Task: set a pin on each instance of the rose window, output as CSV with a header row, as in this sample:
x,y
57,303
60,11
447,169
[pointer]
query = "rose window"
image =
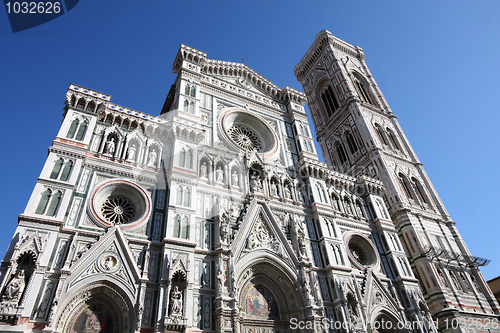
x,y
362,253
246,131
245,138
357,253
117,210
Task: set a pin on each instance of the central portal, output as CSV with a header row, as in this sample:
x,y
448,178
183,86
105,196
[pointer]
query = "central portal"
x,y
268,300
261,304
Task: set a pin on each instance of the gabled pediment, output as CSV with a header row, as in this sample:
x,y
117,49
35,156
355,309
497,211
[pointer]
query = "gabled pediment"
x,y
377,296
260,231
108,259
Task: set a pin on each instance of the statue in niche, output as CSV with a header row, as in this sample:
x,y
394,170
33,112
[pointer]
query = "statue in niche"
x,y
15,287
274,189
256,182
110,146
224,219
152,158
176,301
288,194
203,170
219,175
235,178
299,232
131,153
221,280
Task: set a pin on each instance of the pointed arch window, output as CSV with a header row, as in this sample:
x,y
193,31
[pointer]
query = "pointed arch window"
x,y
392,139
419,190
187,197
190,90
66,171
362,89
182,157
184,227
44,200
81,131
178,200
341,152
183,196
405,186
54,203
189,159
380,134
177,226
57,168
191,107
72,128
186,158
351,143
330,101
186,106
49,202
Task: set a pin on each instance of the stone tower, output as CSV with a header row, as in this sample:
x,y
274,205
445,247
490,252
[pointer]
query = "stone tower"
x,y
360,135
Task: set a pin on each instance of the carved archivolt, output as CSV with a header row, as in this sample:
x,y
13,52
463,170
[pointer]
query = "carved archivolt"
x,y
99,294
274,279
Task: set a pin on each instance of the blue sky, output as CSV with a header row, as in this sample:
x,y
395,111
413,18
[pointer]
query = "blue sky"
x,y
435,61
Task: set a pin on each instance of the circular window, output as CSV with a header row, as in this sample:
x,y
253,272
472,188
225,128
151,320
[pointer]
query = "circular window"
x,y
245,138
119,202
357,253
361,251
118,210
247,132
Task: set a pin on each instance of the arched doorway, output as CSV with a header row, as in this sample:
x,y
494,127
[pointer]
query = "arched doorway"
x,y
385,323
268,299
97,308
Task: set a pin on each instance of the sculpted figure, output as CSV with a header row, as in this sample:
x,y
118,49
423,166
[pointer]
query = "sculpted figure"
x,y
131,153
203,170
219,175
288,194
255,182
15,288
274,189
152,158
176,300
110,146
235,178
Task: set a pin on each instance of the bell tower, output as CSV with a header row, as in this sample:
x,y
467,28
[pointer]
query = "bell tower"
x,y
359,134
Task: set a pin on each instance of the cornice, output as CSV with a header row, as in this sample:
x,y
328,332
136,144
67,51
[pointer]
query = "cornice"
x,y
235,69
324,38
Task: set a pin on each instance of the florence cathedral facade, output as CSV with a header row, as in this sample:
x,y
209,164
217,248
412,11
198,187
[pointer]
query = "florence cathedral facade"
x,y
218,216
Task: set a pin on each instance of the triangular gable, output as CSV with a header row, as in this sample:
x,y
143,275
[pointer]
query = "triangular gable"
x,y
260,230
108,259
377,296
